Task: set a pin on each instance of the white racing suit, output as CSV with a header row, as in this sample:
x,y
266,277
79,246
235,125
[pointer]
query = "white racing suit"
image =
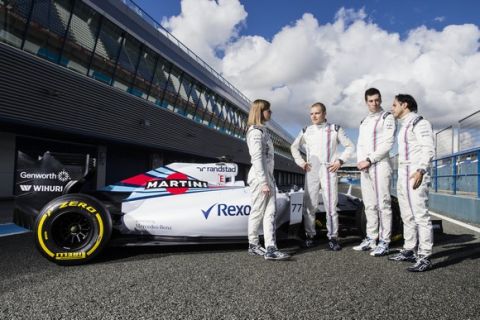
x,y
260,147
320,143
415,151
376,137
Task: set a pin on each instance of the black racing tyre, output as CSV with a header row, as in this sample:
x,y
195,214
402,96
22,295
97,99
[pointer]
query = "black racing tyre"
x,y
362,221
72,229
397,223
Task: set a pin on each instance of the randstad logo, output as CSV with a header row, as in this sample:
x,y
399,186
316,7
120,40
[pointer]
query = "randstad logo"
x,y
223,209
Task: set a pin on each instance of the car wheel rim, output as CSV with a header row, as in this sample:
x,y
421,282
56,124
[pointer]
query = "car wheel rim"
x,y
72,231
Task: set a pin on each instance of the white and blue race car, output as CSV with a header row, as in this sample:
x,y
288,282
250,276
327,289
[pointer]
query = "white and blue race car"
x,y
181,203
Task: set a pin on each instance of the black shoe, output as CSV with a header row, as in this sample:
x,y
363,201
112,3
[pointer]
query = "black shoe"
x,y
274,254
422,264
404,255
333,245
310,242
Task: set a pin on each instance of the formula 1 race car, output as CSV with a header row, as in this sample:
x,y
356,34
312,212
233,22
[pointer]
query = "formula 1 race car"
x,y
181,203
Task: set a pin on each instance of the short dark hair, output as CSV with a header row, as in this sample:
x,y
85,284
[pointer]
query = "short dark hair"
x,y
321,105
371,92
409,100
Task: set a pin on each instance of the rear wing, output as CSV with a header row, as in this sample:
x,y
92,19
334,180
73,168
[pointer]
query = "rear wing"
x,y
38,181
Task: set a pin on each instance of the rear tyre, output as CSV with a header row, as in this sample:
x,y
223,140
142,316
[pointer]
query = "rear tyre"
x,y
397,223
362,221
72,229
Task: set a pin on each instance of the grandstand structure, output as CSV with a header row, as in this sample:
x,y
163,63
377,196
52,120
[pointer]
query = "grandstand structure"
x,y
101,77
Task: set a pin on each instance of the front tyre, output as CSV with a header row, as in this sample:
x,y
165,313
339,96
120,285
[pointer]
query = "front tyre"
x,y
72,229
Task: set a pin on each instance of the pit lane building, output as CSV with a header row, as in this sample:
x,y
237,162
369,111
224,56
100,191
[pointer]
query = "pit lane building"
x,y
101,77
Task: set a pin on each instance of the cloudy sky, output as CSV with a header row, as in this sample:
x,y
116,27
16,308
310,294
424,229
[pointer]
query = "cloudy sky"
x,y
295,53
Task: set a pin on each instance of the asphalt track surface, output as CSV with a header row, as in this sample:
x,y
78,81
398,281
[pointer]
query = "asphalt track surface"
x,y
223,282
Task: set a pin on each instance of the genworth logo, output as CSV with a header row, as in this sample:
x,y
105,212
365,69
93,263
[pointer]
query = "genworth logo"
x,y
63,176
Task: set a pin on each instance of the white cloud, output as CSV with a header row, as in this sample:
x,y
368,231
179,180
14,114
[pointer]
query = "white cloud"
x,y
335,62
207,26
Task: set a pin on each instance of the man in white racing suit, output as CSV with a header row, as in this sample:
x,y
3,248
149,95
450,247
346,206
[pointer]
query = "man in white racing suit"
x,y
375,140
262,183
320,141
415,152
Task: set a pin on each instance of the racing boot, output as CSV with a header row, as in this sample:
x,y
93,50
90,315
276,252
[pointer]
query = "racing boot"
x,y
310,241
423,263
333,245
380,250
366,245
256,250
274,254
404,255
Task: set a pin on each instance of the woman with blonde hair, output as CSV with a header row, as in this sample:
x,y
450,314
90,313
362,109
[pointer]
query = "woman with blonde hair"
x,y
262,183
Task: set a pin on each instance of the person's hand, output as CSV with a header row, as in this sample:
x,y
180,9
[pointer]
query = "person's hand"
x,y
417,178
363,165
307,166
335,166
266,190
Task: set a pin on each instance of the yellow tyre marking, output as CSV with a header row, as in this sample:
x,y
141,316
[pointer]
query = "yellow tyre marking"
x,y
70,255
40,239
100,235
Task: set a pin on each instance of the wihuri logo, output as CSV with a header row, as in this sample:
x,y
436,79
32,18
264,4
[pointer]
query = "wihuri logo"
x,y
25,187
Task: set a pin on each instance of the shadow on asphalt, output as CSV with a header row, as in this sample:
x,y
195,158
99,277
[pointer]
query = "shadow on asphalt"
x,y
454,249
450,249
292,247
112,254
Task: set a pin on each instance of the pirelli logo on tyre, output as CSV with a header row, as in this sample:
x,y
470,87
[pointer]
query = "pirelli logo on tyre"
x,y
70,255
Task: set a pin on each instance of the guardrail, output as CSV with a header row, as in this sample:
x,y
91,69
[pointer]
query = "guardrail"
x,y
458,173
455,174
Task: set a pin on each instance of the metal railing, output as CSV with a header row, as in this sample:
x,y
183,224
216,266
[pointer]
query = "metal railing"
x,y
458,174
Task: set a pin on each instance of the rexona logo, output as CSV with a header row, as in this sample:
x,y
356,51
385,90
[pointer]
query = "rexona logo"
x,y
176,183
225,210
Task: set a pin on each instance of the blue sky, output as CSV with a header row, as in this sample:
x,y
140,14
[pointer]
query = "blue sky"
x,y
267,17
296,52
